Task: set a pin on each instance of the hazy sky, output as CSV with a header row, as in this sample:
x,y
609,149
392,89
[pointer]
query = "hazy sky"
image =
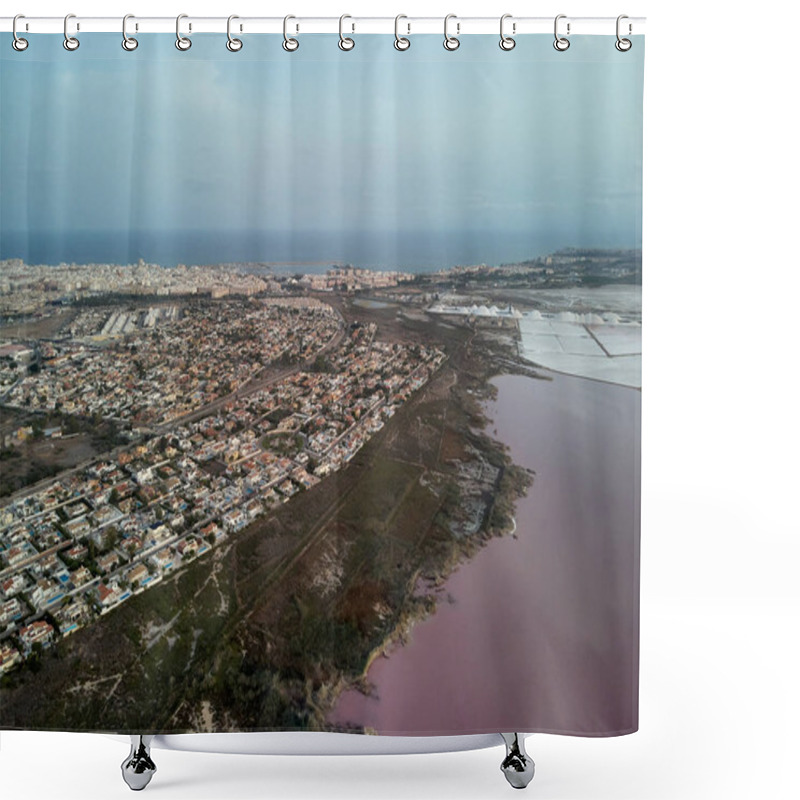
x,y
372,140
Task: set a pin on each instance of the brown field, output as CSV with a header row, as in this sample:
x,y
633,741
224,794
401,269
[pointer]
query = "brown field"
x,y
24,463
42,328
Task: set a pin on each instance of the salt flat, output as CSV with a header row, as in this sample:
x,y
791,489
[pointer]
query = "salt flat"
x,y
609,352
619,340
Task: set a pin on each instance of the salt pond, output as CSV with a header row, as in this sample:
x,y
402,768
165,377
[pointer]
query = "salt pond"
x,y
603,351
592,332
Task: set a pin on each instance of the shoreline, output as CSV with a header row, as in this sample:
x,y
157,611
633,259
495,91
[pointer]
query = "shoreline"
x,y
588,378
576,375
419,608
371,703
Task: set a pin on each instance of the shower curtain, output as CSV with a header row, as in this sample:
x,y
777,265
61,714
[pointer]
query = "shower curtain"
x,y
320,381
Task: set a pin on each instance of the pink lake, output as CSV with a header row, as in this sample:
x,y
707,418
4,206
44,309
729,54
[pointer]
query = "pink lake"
x,y
542,631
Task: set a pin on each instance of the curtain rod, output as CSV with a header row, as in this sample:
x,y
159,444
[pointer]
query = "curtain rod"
x,y
407,25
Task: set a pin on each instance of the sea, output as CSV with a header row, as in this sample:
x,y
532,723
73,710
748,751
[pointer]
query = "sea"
x,y
294,250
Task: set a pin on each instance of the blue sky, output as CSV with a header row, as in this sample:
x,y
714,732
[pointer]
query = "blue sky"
x,y
321,140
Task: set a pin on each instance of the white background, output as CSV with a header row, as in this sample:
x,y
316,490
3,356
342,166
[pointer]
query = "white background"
x,y
720,598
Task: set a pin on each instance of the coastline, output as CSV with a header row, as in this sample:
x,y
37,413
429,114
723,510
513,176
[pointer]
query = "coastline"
x,y
269,647
385,678
564,374
421,607
417,609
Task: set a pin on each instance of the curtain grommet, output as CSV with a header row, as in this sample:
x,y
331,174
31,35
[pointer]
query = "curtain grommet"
x,y
561,43
183,43
18,43
70,43
129,43
451,43
290,44
345,42
233,44
507,43
401,43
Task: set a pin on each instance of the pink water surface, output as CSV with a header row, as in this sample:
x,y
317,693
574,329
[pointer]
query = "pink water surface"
x,y
543,631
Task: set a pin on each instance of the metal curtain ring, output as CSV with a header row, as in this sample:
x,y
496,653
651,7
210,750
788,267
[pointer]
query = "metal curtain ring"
x,y
623,45
70,42
345,42
233,44
451,42
506,42
18,43
290,44
128,42
401,42
561,43
181,42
